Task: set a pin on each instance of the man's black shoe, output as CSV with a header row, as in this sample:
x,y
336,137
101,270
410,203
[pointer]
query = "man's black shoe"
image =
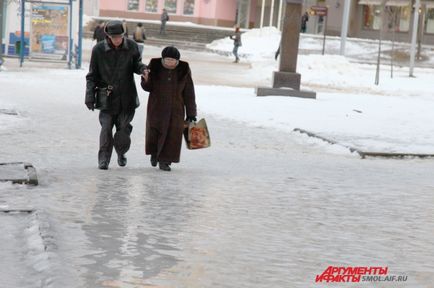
x,y
103,165
154,160
164,166
122,160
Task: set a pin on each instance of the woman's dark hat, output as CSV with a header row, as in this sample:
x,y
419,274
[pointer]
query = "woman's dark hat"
x,y
114,27
171,52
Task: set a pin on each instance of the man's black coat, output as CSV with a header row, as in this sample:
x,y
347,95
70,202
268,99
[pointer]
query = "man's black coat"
x,y
115,67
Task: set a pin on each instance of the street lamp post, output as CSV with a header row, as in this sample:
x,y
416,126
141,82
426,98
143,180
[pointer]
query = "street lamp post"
x,y
279,17
262,14
414,36
1,31
80,36
71,41
23,27
345,20
377,71
271,13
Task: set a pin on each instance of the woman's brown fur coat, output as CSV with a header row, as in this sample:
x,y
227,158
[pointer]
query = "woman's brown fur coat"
x,y
171,98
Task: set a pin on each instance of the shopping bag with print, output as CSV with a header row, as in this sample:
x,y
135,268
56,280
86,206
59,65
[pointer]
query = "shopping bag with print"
x,y
196,135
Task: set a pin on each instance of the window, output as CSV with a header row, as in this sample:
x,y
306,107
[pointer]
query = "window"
x,y
429,26
170,6
371,17
151,6
133,4
189,7
392,18
404,18
397,17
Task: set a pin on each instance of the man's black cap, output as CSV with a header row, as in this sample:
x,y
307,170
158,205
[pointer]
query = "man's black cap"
x,y
114,27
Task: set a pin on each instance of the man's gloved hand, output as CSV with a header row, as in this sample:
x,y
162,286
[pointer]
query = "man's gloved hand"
x,y
90,106
191,118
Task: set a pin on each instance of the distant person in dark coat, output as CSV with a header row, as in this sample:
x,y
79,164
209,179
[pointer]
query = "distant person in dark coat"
x,y
98,33
276,55
171,100
111,76
237,43
304,20
164,18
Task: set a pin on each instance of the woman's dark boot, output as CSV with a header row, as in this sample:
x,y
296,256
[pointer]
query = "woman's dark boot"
x,y
164,166
154,160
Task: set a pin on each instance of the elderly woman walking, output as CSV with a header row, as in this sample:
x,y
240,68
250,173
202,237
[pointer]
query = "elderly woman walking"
x,y
171,98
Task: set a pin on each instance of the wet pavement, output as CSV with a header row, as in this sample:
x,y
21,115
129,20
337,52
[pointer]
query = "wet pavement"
x,y
260,208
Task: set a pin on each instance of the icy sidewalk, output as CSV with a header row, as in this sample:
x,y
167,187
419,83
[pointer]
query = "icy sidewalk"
x,y
256,210
393,117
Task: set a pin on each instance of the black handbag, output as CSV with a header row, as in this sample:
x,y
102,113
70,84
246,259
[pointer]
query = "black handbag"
x,y
102,98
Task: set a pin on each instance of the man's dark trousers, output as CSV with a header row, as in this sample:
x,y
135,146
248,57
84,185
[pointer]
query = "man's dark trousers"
x,y
121,140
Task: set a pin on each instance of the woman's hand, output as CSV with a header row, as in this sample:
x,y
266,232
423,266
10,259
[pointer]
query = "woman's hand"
x,y
145,75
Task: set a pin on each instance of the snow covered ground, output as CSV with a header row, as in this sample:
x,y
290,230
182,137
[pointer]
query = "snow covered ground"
x,y
394,116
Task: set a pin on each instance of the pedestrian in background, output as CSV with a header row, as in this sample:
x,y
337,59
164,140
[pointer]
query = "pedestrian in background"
x,y
276,54
110,87
171,98
124,24
304,20
140,37
164,18
98,33
237,43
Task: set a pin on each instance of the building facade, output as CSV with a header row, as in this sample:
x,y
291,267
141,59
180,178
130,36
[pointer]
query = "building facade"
x,y
365,15
91,7
366,19
226,13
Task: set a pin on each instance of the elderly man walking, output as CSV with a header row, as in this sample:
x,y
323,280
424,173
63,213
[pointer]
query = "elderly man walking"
x,y
111,89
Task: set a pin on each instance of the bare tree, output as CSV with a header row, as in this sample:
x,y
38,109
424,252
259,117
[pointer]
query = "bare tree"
x,y
392,17
377,73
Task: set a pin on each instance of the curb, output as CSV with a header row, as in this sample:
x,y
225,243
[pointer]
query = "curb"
x,y
364,154
8,112
17,211
393,155
31,178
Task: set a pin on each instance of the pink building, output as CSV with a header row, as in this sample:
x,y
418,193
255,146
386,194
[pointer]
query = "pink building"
x,y
206,12
364,15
